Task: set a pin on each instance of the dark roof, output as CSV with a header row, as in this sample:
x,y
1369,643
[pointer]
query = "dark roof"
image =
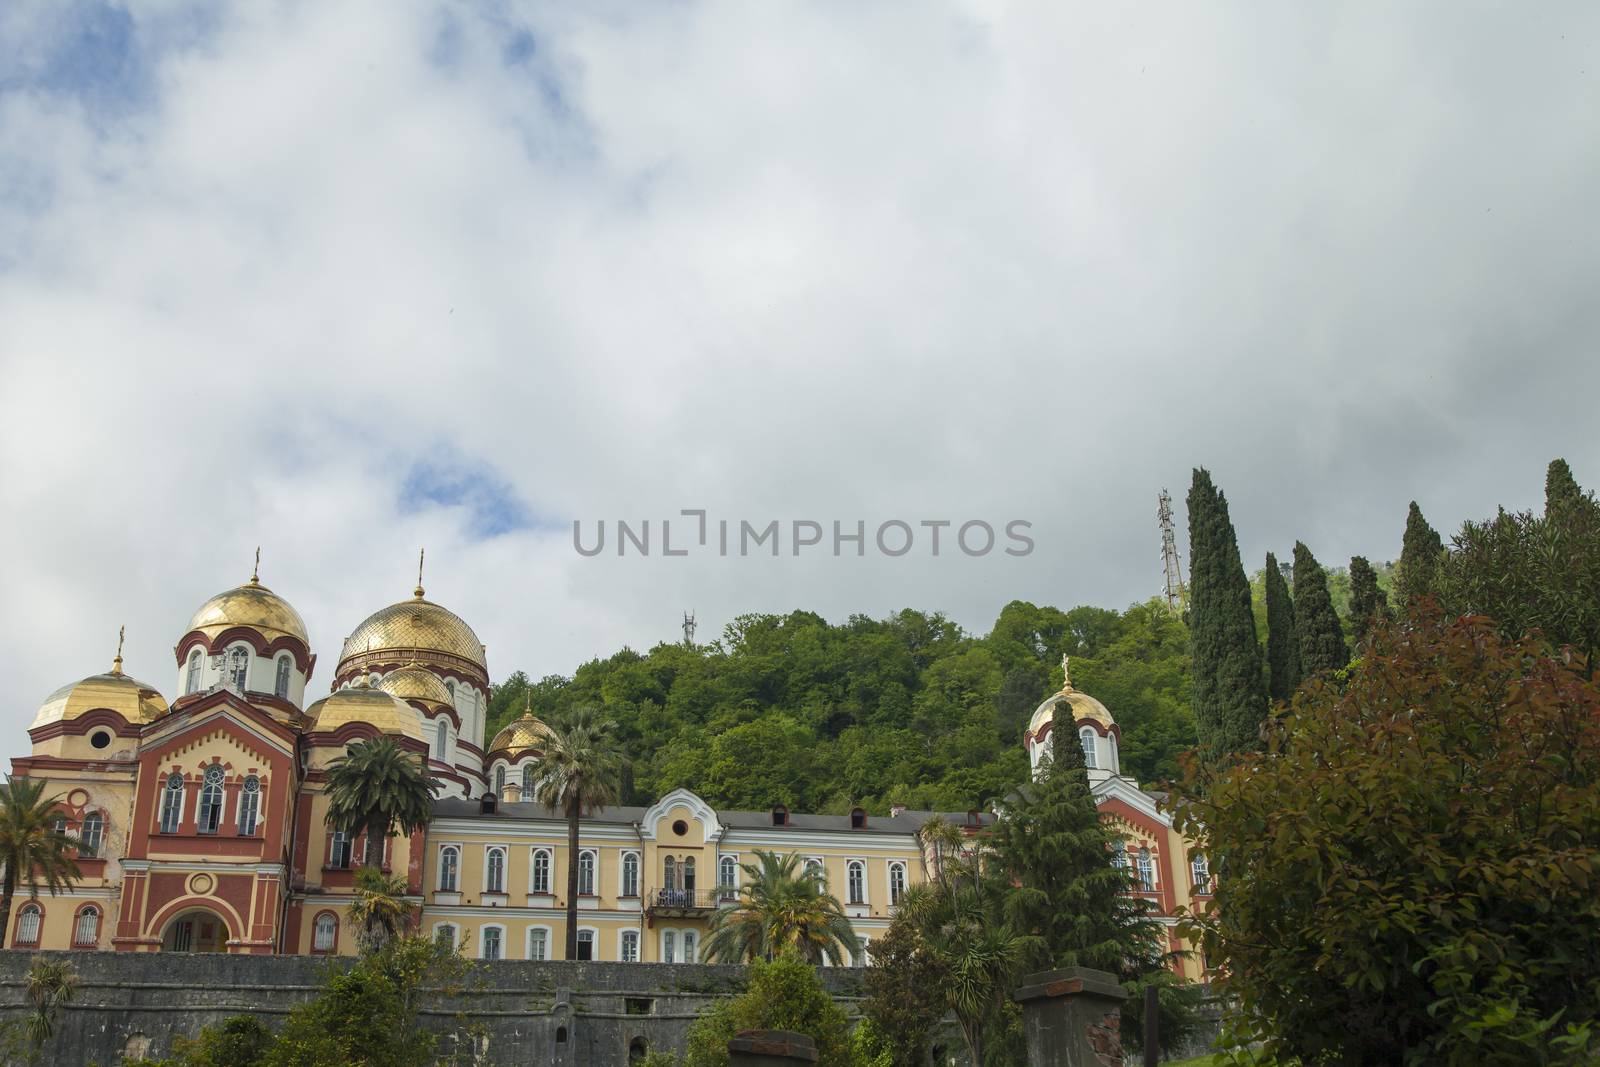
x,y
906,822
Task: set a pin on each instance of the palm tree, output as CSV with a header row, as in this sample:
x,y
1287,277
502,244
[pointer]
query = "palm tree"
x,y
378,786
50,984
782,905
380,911
579,771
32,850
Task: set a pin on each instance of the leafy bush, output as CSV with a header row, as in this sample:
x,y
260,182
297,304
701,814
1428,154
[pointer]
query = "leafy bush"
x,y
1407,872
783,995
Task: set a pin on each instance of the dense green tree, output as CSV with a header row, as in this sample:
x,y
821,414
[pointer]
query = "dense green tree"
x,y
903,1000
1283,641
579,771
378,787
1321,639
1465,938
1420,555
783,906
784,994
1230,697
1368,604
1560,487
32,851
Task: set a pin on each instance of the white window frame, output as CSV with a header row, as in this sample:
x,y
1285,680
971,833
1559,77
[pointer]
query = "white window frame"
x,y
191,682
594,943
176,808
623,937
335,840
1145,860
1091,757
623,889
238,659
488,855
499,779
89,845
821,865
544,950
896,897
1200,872
593,855
280,683
249,813
451,867
689,942
853,867
78,940
533,869
332,944
722,862
1116,760
441,739
213,790
483,941
455,933
528,782
23,936
669,945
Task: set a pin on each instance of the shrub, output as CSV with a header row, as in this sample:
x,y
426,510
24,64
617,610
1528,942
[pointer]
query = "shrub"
x,y
782,995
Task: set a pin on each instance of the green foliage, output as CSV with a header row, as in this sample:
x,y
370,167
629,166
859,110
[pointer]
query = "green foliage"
x,y
1322,647
1529,571
1407,874
32,850
1230,695
1283,642
1368,602
1177,1009
49,984
784,994
1560,487
380,912
905,710
236,1041
1420,556
783,906
904,1001
378,786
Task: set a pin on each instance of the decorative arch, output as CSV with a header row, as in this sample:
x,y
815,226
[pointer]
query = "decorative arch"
x,y
99,925
698,810
216,905
16,924
317,925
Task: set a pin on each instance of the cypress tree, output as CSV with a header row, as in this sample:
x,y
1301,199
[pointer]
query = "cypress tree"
x,y
1230,692
1322,646
1283,646
1368,605
1420,555
1560,487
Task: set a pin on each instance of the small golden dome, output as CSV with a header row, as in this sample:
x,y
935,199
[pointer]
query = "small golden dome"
x,y
1083,707
135,701
416,682
252,605
361,703
415,629
520,736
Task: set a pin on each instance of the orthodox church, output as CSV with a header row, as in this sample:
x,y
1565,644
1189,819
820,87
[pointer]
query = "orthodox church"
x,y
201,822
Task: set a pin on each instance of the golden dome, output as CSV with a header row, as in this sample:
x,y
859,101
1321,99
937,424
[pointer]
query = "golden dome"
x,y
415,629
252,605
416,682
520,736
361,703
1083,707
134,700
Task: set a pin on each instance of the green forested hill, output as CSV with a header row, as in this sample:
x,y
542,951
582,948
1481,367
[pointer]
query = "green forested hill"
x,y
905,710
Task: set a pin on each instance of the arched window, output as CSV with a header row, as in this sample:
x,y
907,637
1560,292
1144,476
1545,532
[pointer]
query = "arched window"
x,y
172,804
1119,857
688,874
280,685
325,934
94,828
449,866
1086,735
249,805
728,873
440,738
670,867
445,934
815,869
1200,872
339,850
1116,762
527,782
630,946
211,800
494,879
897,882
669,946
1147,871
238,668
630,874
586,944
538,943
688,946
29,920
541,871
491,942
86,931
499,779
855,877
192,682
450,687
586,874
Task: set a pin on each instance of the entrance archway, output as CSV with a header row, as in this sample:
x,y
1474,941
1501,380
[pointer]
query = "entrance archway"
x,y
196,930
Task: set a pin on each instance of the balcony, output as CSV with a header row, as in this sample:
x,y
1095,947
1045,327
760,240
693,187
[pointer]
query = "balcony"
x,y
681,903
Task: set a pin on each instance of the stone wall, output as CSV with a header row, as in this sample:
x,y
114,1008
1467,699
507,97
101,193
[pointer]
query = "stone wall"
x,y
513,1012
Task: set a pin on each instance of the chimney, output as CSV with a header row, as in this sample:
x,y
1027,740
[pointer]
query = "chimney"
x,y
896,811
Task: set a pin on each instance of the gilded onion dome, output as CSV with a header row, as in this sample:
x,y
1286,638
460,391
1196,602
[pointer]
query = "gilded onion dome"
x,y
252,605
416,682
520,736
1082,706
136,701
415,630
361,703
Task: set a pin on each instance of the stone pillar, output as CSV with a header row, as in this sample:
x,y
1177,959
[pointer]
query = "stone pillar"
x,y
771,1048
1071,1018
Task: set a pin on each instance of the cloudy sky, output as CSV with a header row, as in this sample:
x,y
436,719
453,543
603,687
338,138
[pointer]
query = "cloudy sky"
x,y
343,280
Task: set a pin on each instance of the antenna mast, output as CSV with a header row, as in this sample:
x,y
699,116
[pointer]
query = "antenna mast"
x,y
688,629
1175,592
